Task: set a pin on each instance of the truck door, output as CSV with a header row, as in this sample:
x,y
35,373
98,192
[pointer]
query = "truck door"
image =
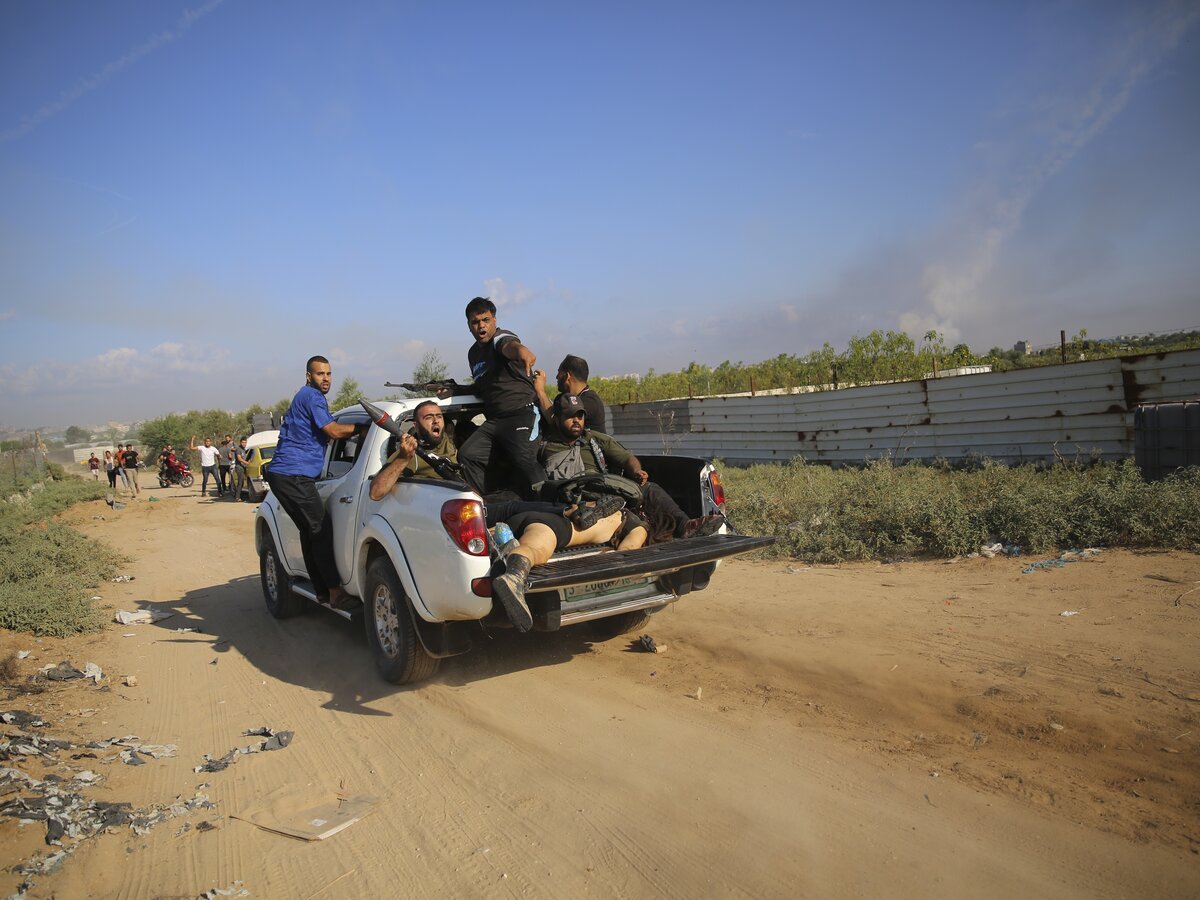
x,y
339,489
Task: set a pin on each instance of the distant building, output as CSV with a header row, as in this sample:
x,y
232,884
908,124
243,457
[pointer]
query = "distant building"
x,y
1025,348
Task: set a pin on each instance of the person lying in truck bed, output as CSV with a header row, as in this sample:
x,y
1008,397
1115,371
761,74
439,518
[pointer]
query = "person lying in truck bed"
x,y
539,535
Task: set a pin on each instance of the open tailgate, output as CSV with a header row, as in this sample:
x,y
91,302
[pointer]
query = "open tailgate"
x,y
658,559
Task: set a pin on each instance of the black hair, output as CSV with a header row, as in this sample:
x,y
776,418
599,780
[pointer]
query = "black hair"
x,y
575,366
480,305
422,405
314,359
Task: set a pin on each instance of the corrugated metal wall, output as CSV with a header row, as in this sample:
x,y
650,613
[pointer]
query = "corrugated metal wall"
x,y
1017,416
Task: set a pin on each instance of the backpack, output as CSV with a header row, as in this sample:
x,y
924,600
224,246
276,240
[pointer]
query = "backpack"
x,y
592,487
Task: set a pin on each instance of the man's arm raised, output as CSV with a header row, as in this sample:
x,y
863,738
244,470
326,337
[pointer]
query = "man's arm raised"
x,y
382,483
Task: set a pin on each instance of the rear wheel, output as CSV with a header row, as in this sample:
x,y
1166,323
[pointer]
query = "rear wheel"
x,y
622,623
398,653
276,585
187,480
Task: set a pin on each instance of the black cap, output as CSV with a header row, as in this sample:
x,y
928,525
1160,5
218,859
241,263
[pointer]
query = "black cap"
x,y
569,406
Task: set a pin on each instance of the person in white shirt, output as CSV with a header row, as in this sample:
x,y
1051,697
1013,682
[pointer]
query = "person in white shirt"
x,y
208,464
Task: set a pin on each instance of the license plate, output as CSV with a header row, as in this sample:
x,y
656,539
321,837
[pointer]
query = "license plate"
x,y
602,588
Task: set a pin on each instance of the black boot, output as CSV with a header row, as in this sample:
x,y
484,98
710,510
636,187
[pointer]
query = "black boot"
x,y
510,590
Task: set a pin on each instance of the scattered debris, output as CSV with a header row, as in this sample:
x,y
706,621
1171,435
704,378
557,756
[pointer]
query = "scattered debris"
x,y
1056,726
64,671
698,694
1069,557
275,740
129,681
70,817
317,823
141,616
648,644
120,578
236,890
23,654
185,630
1069,612
22,719
93,672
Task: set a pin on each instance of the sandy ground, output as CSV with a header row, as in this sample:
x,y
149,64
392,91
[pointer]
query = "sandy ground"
x,y
906,730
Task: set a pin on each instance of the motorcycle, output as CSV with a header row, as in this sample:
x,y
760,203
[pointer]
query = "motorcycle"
x,y
181,475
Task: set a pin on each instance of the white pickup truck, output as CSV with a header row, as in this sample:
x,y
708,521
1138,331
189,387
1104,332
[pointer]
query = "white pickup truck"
x,y
420,558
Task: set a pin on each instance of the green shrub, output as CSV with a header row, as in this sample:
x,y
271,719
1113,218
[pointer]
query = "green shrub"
x,y
881,510
47,572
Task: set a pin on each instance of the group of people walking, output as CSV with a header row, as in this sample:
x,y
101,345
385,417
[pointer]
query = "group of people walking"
x,y
120,463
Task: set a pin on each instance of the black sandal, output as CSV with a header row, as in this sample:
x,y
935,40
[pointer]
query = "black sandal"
x,y
584,517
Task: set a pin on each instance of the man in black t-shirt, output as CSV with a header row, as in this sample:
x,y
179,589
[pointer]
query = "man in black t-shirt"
x,y
502,368
130,461
572,379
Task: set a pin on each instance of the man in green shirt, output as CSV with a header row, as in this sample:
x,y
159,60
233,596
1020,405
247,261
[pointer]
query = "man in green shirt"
x,y
577,450
431,434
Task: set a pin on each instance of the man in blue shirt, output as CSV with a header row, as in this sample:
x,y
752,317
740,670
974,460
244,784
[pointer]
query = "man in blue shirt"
x,y
295,468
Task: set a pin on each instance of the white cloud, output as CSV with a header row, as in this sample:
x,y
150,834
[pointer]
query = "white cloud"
x,y
506,297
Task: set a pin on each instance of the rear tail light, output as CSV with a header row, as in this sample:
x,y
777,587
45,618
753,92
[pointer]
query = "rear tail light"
x,y
463,521
718,489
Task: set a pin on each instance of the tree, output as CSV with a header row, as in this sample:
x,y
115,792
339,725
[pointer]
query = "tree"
x,y
77,434
348,394
430,368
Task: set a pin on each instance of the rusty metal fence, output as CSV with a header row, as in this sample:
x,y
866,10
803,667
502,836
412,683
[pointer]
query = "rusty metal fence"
x,y
1024,415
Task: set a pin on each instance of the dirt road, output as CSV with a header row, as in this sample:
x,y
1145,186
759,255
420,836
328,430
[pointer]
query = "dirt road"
x,y
910,730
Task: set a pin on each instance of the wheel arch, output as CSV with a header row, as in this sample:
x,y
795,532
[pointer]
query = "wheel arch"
x,y
265,524
439,639
378,538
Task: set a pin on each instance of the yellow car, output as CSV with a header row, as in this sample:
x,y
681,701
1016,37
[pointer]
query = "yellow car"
x,y
259,450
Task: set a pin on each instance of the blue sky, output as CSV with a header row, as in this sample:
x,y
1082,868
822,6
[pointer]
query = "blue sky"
x,y
195,199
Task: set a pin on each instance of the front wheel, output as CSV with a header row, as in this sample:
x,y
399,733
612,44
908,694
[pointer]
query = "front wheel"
x,y
276,585
162,482
398,653
187,480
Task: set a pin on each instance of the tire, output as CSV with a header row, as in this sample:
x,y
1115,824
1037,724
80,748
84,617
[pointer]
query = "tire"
x,y
276,583
162,482
622,623
398,653
187,480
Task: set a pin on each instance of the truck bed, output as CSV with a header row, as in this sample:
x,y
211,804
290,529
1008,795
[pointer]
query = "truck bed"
x,y
658,559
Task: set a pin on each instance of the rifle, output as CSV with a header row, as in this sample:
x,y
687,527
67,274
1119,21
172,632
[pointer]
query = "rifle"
x,y
451,387
451,471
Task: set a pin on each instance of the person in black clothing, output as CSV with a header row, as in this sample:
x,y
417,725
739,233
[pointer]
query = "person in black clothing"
x,y
572,380
502,368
